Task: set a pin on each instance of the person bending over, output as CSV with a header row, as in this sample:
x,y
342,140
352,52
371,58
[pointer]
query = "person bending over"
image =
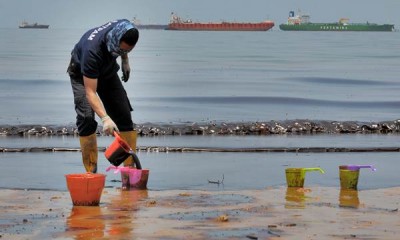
x,y
97,88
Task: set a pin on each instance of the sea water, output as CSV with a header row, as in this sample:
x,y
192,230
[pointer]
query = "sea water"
x,y
180,76
186,77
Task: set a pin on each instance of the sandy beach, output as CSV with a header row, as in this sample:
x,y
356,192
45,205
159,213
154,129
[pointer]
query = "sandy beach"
x,y
252,203
271,213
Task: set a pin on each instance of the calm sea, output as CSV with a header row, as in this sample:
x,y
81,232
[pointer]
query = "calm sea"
x,y
184,77
214,76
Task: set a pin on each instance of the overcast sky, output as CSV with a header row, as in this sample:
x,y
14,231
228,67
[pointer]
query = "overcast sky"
x,y
90,13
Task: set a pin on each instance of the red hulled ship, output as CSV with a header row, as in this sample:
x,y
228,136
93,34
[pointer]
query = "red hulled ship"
x,y
176,23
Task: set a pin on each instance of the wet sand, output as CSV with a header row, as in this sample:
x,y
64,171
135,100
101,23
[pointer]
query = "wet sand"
x,y
271,213
181,204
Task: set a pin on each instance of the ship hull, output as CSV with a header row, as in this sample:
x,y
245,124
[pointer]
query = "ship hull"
x,y
262,26
337,27
152,26
35,26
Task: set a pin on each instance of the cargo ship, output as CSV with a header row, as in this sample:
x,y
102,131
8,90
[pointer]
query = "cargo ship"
x,y
25,24
302,23
139,25
176,23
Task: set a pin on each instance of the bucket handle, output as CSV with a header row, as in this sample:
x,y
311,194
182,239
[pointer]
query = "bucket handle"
x,y
116,134
117,169
313,169
357,167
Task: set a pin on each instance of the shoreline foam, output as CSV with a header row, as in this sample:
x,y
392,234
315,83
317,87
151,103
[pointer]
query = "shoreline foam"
x,y
299,126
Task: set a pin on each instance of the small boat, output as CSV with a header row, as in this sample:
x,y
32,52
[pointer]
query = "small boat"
x,y
25,24
301,22
176,23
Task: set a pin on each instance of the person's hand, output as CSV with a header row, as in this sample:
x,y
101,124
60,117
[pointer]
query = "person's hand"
x,y
126,70
109,126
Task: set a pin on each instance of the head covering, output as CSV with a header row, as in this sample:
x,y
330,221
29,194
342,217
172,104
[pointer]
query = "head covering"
x,y
115,34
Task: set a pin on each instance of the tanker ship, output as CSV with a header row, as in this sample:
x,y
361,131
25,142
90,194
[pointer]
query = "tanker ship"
x,y
139,25
25,24
176,23
302,23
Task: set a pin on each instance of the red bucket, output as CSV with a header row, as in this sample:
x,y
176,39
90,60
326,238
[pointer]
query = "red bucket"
x,y
86,188
118,151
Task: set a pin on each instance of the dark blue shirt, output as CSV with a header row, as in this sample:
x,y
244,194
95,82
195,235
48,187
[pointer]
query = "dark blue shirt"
x,y
92,55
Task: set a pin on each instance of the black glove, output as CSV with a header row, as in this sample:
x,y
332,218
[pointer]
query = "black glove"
x,y
126,70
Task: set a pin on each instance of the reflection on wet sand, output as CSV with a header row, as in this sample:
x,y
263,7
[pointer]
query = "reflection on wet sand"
x,y
115,219
86,222
295,197
349,198
123,208
192,214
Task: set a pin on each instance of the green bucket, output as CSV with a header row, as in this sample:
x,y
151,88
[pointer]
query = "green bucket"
x,y
349,175
295,176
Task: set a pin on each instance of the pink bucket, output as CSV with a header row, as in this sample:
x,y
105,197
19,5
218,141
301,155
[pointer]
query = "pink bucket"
x,y
137,177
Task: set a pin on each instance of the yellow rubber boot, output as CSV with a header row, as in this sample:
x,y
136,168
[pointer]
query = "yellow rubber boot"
x,y
89,152
130,137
